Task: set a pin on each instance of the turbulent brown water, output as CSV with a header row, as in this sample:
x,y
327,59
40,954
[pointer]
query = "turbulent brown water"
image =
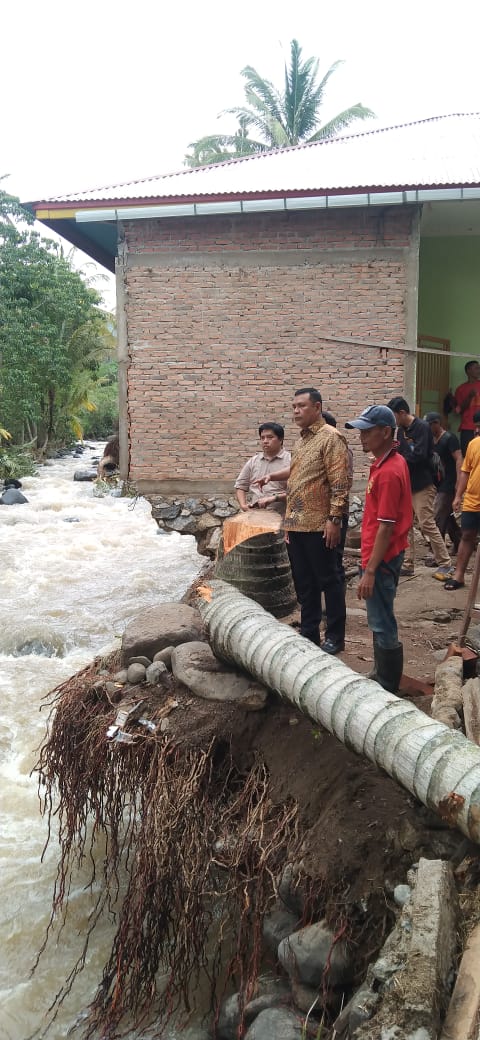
x,y
74,570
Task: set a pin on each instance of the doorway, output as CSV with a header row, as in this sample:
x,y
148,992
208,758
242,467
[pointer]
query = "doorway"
x,y
433,374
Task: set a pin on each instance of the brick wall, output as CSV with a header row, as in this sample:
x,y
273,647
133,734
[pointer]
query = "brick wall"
x,y
225,319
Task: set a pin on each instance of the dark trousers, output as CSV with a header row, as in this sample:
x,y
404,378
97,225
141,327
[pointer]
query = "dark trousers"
x,y
315,570
465,437
341,547
444,517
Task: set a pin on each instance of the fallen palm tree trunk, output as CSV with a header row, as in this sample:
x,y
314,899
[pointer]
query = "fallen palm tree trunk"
x,y
439,766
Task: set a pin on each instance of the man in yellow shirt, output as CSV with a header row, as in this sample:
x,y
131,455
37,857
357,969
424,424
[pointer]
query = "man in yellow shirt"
x,y
468,485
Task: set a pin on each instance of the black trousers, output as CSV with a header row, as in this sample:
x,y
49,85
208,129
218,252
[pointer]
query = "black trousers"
x,y
315,570
445,519
465,437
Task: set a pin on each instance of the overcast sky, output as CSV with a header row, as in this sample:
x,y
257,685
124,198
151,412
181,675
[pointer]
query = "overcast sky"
x,y
102,92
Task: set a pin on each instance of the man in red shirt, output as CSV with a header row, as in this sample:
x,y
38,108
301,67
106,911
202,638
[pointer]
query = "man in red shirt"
x,y
387,519
467,402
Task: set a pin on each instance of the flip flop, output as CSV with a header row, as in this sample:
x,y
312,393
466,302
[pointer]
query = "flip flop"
x,y
451,585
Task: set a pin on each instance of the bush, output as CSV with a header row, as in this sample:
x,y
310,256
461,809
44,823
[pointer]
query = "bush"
x,y
98,425
17,463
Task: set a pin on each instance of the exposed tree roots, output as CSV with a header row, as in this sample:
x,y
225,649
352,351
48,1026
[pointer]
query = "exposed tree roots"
x,y
200,843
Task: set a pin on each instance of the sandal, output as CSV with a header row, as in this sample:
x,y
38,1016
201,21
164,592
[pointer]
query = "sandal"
x,y
451,585
407,572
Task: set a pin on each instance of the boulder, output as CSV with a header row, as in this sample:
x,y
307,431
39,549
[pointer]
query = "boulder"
x,y
254,699
168,624
167,511
85,474
275,1024
402,894
195,665
276,926
136,674
229,1018
271,995
11,497
157,673
207,521
183,524
358,1010
307,999
165,656
305,955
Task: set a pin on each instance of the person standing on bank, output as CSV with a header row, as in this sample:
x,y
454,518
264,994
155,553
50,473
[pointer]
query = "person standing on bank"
x,y
317,495
258,483
448,448
468,487
387,519
467,401
331,421
415,442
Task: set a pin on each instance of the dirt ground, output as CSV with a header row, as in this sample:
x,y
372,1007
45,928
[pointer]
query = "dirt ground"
x,y
360,830
418,603
356,832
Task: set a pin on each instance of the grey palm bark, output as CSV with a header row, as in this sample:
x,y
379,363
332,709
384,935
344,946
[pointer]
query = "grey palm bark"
x,y
439,766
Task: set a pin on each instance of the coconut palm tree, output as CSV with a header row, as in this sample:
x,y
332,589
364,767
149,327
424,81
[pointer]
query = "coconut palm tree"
x,y
280,117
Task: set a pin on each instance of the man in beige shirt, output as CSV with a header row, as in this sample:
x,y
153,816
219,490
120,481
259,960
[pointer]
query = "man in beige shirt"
x,y
262,467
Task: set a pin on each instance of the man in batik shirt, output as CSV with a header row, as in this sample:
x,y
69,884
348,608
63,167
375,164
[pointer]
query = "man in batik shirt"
x,y
317,497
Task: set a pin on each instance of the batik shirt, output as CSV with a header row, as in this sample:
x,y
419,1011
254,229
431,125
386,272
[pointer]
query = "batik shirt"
x,y
318,485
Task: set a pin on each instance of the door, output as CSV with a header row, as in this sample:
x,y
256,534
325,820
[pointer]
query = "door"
x,y
433,375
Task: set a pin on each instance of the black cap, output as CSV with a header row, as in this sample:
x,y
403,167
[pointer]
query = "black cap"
x,y
432,417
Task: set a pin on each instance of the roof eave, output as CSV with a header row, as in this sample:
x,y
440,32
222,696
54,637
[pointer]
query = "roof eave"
x,y
70,206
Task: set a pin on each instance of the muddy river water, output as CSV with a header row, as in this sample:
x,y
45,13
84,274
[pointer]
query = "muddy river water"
x,y
74,569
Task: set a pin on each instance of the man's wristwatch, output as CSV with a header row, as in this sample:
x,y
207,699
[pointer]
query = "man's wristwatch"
x,y
335,519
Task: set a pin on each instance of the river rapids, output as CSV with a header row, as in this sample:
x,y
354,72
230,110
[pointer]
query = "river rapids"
x,y
75,568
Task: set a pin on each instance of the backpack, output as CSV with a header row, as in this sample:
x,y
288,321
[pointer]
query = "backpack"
x,y
437,467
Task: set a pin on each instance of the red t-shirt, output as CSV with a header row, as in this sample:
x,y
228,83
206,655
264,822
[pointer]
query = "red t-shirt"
x,y
388,497
461,394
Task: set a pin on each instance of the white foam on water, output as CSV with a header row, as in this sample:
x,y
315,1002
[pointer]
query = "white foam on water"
x,y
67,589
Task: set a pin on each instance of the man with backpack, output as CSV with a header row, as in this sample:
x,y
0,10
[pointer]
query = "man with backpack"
x,y
447,446
415,442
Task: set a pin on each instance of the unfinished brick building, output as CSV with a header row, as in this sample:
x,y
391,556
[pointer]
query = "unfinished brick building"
x,y
240,282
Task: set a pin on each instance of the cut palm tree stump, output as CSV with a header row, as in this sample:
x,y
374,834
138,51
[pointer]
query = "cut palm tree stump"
x,y
253,557
437,765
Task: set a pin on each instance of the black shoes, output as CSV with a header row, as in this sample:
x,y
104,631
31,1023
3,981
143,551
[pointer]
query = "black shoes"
x,y
329,647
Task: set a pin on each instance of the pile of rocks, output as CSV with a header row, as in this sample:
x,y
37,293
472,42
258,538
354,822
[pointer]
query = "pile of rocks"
x,y
168,642
356,512
407,988
201,517
308,957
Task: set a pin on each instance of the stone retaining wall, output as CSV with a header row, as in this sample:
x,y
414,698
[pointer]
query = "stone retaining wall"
x,y
203,518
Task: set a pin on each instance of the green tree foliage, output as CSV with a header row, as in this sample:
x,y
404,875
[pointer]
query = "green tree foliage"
x,y
280,117
101,423
53,333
